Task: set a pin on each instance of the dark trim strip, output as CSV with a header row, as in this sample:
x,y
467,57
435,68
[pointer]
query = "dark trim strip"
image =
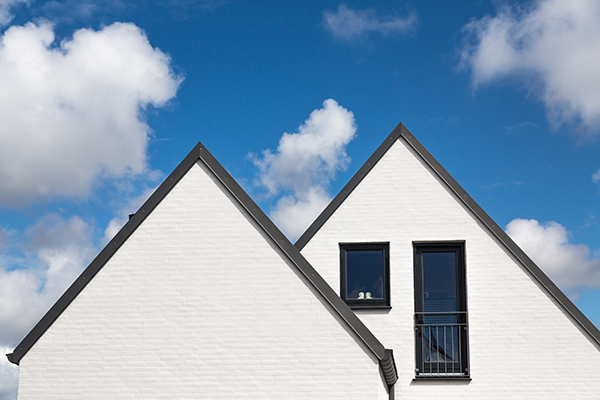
x,y
202,154
486,220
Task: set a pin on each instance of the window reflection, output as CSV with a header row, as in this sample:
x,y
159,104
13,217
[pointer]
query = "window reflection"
x,y
364,271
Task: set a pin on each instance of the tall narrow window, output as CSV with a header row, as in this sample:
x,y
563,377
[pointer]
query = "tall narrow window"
x,y
440,310
364,274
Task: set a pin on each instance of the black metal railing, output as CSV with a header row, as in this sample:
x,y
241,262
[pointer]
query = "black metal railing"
x,y
441,343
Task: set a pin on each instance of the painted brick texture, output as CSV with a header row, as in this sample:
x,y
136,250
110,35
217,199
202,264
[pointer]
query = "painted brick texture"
x,y
199,303
522,345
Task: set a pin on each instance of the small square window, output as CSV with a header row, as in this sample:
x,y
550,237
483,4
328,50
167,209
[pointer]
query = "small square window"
x,y
365,274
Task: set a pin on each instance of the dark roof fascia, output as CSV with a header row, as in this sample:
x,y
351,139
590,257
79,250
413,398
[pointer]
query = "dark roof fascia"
x,y
201,153
484,218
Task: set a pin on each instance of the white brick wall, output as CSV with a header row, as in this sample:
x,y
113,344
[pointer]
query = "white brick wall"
x,y
198,303
521,344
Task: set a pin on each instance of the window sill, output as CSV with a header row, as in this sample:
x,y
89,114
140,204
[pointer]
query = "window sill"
x,y
462,378
368,307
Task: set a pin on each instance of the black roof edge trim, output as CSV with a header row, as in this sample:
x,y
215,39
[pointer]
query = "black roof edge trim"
x,y
388,367
294,255
486,220
350,186
105,255
201,153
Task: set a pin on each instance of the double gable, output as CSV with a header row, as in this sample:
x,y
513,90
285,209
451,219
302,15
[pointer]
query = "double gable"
x,y
201,296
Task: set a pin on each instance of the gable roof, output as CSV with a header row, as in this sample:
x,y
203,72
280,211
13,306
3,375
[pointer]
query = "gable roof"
x,y
402,132
201,154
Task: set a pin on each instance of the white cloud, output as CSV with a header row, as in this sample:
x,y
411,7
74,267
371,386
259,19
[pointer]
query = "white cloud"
x,y
304,164
556,42
349,24
6,7
570,266
73,112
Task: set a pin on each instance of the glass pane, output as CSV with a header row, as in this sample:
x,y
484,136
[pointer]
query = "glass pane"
x,y
364,274
439,286
440,345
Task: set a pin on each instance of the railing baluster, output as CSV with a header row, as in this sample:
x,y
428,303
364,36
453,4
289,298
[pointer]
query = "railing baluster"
x,y
452,338
429,341
423,354
445,352
437,348
460,332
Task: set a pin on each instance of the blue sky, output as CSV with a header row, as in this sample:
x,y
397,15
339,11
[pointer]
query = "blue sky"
x,y
100,100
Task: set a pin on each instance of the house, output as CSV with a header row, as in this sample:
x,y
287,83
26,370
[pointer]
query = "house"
x,y
402,288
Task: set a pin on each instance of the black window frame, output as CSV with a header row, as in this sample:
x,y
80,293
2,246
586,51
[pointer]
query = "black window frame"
x,y
456,369
366,303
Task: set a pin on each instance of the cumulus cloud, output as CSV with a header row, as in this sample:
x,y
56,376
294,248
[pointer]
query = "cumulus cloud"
x,y
555,43
349,24
570,266
304,164
73,112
